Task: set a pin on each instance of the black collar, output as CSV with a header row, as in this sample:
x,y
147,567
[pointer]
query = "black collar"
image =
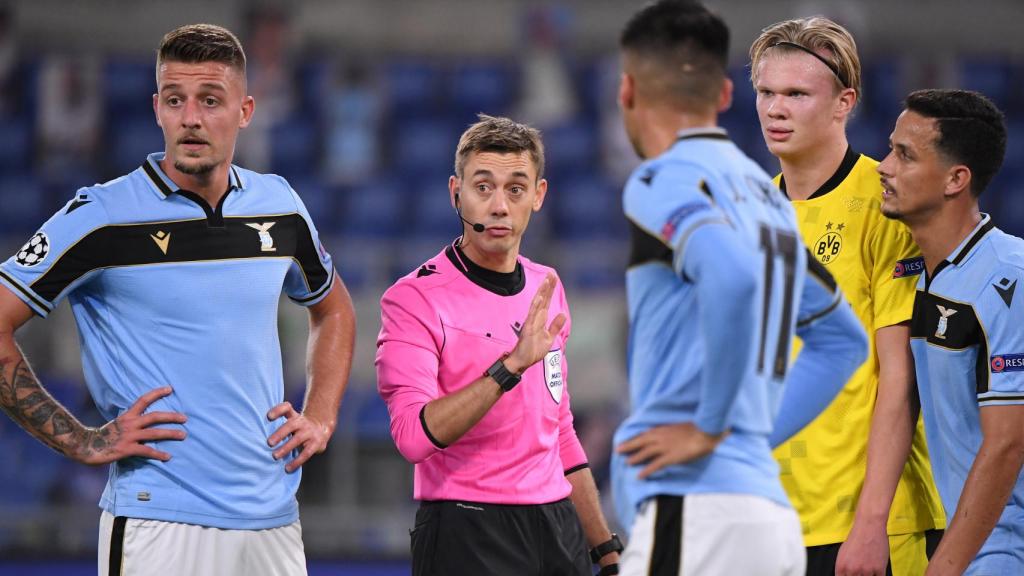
x,y
845,167
963,250
500,283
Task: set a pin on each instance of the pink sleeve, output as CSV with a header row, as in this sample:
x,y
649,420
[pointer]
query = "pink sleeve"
x,y
408,350
569,448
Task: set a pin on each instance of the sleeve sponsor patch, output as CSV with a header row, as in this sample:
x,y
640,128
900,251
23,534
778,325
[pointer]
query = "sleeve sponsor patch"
x,y
909,267
1007,363
34,251
680,214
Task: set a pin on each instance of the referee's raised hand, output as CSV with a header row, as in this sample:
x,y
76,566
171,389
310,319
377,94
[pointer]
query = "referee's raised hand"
x,y
126,435
536,336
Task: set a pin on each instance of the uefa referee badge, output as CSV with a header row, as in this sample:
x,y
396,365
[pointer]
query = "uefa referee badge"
x,y
553,374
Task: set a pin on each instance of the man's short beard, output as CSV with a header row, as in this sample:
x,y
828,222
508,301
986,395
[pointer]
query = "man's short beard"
x,y
194,169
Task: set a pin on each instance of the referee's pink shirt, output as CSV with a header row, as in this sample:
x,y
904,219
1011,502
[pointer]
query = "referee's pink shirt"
x,y
440,331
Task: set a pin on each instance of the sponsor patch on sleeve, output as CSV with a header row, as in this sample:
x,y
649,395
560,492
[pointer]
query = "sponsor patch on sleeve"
x,y
909,267
1007,363
680,214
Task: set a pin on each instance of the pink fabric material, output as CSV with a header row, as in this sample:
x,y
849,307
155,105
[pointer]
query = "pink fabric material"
x,y
439,333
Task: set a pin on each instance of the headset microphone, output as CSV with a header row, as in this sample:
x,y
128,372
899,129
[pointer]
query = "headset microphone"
x,y
477,227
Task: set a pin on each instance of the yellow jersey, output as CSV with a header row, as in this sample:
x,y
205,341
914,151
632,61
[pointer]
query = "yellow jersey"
x,y
876,264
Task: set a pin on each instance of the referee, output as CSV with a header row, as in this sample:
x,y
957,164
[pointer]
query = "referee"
x,y
471,363
174,273
966,329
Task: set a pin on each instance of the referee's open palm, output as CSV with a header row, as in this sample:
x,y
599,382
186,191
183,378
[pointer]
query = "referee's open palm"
x,y
536,336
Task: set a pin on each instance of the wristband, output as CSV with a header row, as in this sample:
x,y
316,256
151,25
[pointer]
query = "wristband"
x,y
501,374
603,549
609,570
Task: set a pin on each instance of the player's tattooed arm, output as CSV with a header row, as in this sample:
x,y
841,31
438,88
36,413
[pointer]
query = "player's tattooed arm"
x,y
26,402
35,410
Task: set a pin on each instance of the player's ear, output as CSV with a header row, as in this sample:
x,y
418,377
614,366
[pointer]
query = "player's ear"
x,y
248,108
725,95
627,91
847,101
958,180
156,109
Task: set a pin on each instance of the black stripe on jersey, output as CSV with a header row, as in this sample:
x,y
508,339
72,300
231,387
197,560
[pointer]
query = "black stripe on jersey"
x,y
646,247
960,331
185,241
667,551
44,305
800,323
818,270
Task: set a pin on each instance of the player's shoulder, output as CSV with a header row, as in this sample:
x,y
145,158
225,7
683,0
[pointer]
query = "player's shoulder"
x,y
664,183
999,262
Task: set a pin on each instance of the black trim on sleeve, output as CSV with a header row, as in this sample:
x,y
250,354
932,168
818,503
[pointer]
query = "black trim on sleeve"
x,y
423,422
983,401
17,286
813,317
117,546
577,468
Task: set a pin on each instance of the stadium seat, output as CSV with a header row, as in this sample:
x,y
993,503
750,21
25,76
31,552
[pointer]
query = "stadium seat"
x,y
23,204
483,86
133,138
128,87
373,210
414,87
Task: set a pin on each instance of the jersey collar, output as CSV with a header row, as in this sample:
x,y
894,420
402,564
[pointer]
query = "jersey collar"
x,y
713,132
163,186
967,246
845,167
502,284
963,250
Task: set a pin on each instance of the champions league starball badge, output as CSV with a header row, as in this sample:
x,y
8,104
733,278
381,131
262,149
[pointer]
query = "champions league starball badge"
x,y
34,251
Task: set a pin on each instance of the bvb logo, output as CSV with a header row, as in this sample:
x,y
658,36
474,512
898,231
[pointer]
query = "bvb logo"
x,y
828,247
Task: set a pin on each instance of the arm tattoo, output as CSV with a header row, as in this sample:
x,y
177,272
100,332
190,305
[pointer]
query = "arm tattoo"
x,y
35,410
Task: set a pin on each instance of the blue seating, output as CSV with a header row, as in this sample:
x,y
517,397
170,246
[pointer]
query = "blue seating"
x,y
133,138
128,87
23,204
294,147
483,87
15,144
414,87
373,210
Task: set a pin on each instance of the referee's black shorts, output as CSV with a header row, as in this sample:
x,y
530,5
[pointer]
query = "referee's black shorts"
x,y
454,538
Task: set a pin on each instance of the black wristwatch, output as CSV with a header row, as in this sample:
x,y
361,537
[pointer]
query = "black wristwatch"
x,y
501,374
603,549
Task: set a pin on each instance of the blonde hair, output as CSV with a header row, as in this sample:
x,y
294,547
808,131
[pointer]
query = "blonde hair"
x,y
829,41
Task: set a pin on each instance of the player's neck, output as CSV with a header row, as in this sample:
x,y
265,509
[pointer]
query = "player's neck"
x,y
210,186
664,125
503,262
940,235
806,172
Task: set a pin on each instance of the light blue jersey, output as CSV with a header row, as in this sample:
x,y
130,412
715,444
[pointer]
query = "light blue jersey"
x,y
968,342
169,291
718,282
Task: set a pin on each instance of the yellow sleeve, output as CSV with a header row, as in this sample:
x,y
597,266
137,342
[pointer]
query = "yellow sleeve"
x,y
892,298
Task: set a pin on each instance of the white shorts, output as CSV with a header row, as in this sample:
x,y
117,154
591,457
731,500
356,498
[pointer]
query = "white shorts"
x,y
134,547
714,535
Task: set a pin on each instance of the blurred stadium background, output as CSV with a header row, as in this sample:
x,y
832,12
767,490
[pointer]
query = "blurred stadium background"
x,y
359,105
